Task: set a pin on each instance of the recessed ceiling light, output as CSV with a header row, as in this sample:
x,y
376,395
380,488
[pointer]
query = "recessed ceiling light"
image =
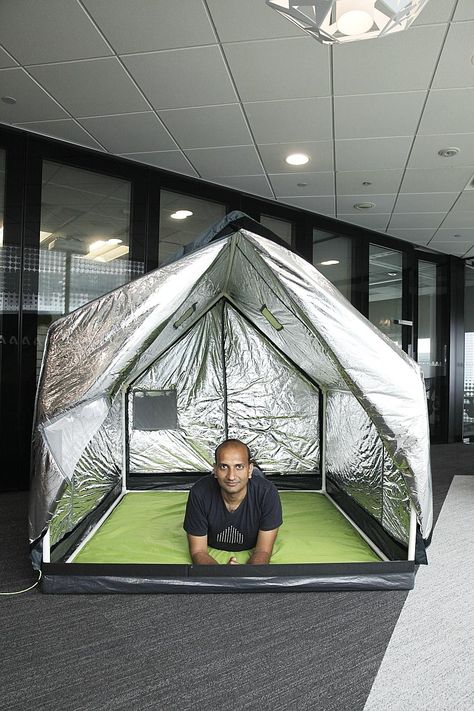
x,y
301,185
392,273
448,152
329,262
181,214
8,99
366,182
297,159
364,205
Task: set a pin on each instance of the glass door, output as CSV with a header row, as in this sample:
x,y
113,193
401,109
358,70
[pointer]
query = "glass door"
x,y
432,347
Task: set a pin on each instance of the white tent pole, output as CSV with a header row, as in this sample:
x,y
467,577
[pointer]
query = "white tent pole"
x,y
47,547
322,444
124,439
412,537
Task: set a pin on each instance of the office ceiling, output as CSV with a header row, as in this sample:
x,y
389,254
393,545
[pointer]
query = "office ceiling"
x,y
224,89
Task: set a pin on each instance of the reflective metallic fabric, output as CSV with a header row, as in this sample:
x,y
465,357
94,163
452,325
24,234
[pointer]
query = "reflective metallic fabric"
x,y
168,329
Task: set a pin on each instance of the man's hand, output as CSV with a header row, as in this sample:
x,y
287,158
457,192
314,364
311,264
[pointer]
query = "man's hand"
x,y
233,560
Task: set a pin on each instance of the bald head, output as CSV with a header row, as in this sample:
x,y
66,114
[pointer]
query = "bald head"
x,y
232,443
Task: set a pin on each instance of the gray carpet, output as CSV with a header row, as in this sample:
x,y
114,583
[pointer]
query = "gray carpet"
x,y
318,651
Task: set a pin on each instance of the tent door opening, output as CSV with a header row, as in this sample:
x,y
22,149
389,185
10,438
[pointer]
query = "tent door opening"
x,y
222,379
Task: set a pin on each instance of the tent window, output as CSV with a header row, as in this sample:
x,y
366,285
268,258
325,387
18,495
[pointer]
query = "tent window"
x,y
155,410
272,320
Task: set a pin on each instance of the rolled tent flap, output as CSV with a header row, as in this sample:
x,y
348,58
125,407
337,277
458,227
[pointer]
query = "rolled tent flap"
x,y
68,435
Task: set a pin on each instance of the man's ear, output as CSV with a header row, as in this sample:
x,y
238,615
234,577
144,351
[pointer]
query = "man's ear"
x,y
251,470
214,471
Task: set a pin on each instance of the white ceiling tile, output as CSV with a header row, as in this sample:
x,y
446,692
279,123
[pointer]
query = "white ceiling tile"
x,y
466,201
65,130
254,184
417,236
322,205
469,253
382,203
380,181
455,66
208,126
372,153
292,68
302,184
436,11
448,111
403,61
451,234
36,32
130,133
214,162
459,219
459,249
413,219
6,60
320,153
464,10
167,160
373,221
144,26
370,115
436,179
91,87
425,151
182,78
32,103
296,120
249,20
425,202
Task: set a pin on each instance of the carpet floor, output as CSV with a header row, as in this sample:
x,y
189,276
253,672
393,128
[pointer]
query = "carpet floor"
x,y
272,651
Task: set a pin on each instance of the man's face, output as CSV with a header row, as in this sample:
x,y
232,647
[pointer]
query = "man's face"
x,y
233,469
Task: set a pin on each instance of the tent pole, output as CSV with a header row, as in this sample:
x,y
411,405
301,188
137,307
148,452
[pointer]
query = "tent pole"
x,y
412,536
47,547
322,444
125,439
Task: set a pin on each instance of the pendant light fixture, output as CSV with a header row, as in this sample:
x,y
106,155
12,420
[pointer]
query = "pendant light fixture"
x,y
338,21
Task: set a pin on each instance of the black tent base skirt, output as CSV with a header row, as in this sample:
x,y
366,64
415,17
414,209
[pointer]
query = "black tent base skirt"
x,y
99,578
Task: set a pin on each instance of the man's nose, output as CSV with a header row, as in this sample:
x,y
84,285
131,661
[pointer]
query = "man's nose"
x,y
231,474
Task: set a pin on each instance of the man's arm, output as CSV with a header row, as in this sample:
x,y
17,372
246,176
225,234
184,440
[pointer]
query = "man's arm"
x,y
263,548
198,550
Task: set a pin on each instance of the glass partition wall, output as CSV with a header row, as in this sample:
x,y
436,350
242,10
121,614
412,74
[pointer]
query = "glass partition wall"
x,y
84,243
431,342
184,218
386,291
468,408
332,256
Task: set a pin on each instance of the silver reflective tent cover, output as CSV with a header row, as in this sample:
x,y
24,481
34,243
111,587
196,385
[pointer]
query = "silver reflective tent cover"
x,y
239,338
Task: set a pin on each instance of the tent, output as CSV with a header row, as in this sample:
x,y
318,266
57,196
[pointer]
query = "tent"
x,y
238,337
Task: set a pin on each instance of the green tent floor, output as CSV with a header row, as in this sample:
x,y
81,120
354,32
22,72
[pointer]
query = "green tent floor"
x,y
146,527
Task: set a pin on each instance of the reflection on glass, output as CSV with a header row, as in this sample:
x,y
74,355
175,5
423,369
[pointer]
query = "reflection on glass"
x,y
6,263
84,243
385,291
183,219
430,347
332,257
282,228
468,413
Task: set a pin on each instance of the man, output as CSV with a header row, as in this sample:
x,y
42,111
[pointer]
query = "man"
x,y
232,510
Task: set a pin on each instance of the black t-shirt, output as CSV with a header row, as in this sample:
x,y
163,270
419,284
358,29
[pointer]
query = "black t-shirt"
x,y
206,513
